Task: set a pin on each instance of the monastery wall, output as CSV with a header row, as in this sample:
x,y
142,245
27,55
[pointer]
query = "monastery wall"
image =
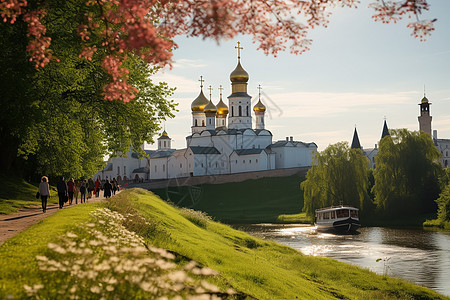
x,y
218,179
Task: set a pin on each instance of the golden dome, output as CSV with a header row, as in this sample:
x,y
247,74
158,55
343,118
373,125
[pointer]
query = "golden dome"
x,y
164,133
239,74
199,103
259,107
222,108
210,108
424,100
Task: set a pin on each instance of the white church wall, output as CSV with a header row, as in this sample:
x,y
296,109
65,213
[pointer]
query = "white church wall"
x,y
245,163
159,168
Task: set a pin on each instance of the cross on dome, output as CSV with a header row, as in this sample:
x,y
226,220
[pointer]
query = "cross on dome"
x,y
210,90
220,89
259,88
201,82
239,48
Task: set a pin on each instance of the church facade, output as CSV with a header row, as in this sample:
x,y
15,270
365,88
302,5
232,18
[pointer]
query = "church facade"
x,y
223,140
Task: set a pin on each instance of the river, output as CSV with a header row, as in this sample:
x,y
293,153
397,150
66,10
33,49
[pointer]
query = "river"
x,y
419,256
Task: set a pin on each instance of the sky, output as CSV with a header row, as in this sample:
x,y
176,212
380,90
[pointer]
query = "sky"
x,y
357,73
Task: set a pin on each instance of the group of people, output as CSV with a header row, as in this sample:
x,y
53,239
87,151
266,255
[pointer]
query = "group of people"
x,y
74,188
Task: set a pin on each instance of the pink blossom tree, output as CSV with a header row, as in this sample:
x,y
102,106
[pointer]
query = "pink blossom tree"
x,y
116,29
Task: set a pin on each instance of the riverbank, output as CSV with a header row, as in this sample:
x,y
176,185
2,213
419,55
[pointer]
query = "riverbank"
x,y
250,201
250,267
436,224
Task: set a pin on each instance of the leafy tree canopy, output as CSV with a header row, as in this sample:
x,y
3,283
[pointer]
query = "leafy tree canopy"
x,y
407,173
339,175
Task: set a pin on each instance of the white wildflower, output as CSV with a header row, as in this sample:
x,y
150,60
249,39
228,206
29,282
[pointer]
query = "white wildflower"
x,y
71,235
95,289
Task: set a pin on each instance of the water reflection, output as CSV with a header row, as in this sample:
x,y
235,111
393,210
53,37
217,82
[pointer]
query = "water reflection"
x,y
419,256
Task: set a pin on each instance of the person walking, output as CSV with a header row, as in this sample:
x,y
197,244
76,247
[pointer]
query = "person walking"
x,y
107,188
97,188
114,185
70,189
83,189
44,192
77,189
91,187
61,186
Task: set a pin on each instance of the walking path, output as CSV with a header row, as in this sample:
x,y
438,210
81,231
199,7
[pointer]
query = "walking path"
x,y
12,224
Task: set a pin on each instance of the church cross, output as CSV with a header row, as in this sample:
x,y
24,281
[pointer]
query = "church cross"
x,y
201,82
239,48
259,88
210,89
220,89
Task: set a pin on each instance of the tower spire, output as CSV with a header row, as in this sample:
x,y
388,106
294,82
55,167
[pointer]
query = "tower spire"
x,y
355,142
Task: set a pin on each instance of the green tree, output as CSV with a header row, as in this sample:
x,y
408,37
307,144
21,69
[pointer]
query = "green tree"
x,y
55,120
407,173
339,175
443,203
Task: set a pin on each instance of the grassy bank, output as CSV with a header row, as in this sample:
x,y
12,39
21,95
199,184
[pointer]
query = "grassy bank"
x,y
250,201
437,224
251,266
16,194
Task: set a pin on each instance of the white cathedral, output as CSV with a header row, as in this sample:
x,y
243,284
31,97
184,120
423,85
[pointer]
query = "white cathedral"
x,y
222,141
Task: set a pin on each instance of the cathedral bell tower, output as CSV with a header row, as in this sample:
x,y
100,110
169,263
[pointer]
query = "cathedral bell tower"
x,y
239,101
198,113
425,118
259,110
210,113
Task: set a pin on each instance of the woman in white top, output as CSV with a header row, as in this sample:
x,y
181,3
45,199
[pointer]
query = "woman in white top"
x,y
44,191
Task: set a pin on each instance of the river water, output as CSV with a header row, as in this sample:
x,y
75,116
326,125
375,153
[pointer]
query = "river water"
x,y
419,256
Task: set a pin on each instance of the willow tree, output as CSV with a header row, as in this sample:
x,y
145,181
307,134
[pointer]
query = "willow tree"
x,y
407,173
339,175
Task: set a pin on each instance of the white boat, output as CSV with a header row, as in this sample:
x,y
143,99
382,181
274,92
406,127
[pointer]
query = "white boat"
x,y
343,219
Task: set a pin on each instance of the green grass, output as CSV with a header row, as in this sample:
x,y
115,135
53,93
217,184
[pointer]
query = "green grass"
x,y
17,194
18,265
255,267
263,269
250,201
436,223
294,218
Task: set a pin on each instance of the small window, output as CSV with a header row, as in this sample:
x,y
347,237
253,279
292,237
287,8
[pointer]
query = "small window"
x,y
181,165
244,161
164,144
164,168
118,170
209,121
236,160
250,161
203,122
124,170
156,169
202,165
217,164
256,160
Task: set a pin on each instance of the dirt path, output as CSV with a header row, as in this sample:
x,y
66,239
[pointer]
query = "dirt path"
x,y
12,224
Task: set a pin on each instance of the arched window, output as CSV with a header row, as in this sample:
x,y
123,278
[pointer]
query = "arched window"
x,y
232,111
164,168
203,122
209,121
164,144
240,111
247,112
195,124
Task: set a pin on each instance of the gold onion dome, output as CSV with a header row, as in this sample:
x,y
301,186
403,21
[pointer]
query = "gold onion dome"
x,y
164,133
222,108
210,108
239,74
424,100
259,107
199,103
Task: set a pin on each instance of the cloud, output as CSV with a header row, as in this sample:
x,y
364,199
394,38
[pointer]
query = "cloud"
x,y
318,104
184,63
